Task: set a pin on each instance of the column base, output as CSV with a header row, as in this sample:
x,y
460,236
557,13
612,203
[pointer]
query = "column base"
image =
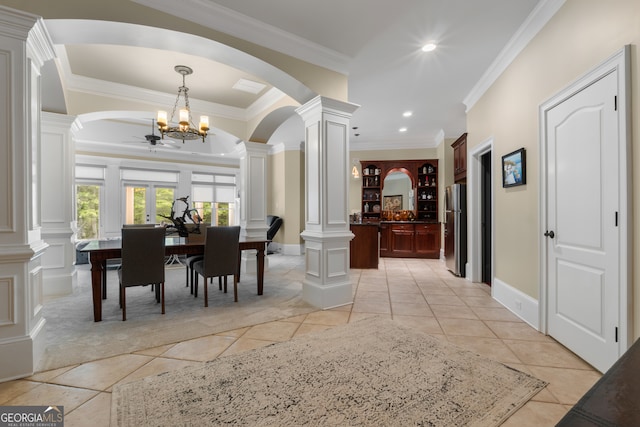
x,y
327,283
326,297
21,355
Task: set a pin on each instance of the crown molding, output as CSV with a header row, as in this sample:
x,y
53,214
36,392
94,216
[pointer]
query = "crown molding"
x,y
536,20
220,18
16,23
40,44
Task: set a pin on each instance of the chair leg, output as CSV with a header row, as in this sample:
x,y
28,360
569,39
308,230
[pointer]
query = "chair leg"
x,y
219,282
225,284
186,280
124,303
162,293
195,292
206,294
235,288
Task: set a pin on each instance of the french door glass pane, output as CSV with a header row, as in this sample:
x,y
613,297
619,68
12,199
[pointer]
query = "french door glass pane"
x,y
88,211
164,199
222,213
135,205
204,211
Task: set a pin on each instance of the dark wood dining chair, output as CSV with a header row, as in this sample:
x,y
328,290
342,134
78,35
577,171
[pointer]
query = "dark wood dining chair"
x,y
143,252
115,263
221,257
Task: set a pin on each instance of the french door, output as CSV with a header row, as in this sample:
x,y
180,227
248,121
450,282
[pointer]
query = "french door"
x,y
147,203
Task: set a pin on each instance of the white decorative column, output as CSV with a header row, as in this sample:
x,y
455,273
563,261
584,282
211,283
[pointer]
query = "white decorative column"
x,y
327,235
57,174
24,47
253,197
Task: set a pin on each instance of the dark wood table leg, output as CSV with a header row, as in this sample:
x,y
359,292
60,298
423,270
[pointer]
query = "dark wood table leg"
x,y
104,279
96,282
260,256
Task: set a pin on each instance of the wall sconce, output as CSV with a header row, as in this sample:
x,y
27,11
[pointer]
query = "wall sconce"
x,y
355,172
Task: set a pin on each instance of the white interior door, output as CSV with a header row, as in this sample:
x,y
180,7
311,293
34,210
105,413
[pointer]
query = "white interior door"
x,y
583,236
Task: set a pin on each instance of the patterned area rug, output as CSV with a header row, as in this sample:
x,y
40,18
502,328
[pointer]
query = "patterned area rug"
x,y
374,372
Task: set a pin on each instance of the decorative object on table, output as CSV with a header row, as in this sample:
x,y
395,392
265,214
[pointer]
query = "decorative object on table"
x,y
375,372
514,168
185,130
180,223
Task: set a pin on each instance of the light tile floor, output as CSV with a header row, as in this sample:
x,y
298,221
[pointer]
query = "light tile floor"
x,y
418,293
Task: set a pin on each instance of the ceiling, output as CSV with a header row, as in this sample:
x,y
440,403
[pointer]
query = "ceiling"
x,y
377,43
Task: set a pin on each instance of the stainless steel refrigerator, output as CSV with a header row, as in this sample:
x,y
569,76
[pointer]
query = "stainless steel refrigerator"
x,y
455,228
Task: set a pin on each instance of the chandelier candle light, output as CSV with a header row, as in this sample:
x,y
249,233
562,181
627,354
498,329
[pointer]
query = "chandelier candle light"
x,y
185,129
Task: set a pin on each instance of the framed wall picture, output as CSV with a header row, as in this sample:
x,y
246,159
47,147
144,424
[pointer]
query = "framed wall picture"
x,y
392,203
514,168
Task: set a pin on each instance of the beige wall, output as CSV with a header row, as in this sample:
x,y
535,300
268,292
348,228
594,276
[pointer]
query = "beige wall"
x,y
580,36
286,194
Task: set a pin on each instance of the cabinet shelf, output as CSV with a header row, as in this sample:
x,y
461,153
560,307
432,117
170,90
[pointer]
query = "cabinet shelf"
x,y
427,191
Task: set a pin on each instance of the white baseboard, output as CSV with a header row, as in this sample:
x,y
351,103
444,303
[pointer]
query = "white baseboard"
x,y
516,301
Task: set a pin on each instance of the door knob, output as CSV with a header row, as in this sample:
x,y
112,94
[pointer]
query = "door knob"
x,y
550,234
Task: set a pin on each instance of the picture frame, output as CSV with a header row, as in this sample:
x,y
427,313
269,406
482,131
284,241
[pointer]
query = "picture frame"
x,y
392,203
514,168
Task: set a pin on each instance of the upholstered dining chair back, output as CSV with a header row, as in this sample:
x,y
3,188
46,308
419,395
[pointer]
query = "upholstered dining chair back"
x,y
143,251
221,250
142,262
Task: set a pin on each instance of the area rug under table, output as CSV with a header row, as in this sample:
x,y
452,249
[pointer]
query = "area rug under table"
x,y
370,373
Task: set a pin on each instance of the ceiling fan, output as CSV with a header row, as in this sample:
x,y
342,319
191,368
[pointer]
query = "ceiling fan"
x,y
154,140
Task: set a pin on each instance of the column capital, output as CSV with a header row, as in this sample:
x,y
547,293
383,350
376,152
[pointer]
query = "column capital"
x,y
324,104
16,23
255,147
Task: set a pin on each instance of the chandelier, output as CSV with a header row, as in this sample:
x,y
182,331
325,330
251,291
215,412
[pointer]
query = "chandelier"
x,y
185,130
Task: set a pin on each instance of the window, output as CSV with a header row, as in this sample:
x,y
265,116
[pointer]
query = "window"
x,y
214,198
89,196
88,211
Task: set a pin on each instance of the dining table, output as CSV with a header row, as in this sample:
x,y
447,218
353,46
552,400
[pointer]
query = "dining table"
x,y
104,249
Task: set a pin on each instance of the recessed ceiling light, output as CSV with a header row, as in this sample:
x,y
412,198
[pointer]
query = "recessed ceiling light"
x,y
407,114
429,47
402,130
